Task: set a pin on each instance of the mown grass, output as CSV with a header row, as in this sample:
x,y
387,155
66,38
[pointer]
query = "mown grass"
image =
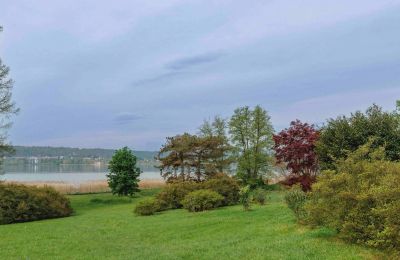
x,y
104,227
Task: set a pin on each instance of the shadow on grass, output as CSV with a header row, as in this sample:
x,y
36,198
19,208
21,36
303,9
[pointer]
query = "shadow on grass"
x,y
112,201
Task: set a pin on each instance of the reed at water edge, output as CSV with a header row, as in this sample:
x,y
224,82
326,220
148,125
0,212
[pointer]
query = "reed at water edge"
x,y
89,186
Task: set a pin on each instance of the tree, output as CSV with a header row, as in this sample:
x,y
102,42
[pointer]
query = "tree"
x,y
124,175
218,130
295,146
251,135
188,157
343,135
7,107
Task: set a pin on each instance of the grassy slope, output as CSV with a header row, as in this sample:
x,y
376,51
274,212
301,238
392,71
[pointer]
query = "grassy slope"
x,y
106,228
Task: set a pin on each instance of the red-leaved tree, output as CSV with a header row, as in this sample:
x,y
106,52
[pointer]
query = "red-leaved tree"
x,y
295,147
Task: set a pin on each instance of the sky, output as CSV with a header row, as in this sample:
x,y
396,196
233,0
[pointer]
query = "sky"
x,y
107,74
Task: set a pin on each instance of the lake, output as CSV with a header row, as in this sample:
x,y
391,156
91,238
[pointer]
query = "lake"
x,y
71,173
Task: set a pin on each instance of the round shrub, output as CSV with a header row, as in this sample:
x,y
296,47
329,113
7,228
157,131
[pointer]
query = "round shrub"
x,y
20,203
172,195
260,196
201,200
147,207
226,186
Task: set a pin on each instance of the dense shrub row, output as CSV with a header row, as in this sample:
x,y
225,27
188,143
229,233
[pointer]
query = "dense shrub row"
x,y
19,203
174,194
361,199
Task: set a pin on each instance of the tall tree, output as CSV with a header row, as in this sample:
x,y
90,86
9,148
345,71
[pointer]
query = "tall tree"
x,y
343,135
251,135
7,107
295,147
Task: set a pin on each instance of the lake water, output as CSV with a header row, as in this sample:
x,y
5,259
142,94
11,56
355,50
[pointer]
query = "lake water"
x,y
75,174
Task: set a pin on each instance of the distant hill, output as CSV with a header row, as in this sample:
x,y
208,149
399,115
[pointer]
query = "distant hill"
x,y
46,151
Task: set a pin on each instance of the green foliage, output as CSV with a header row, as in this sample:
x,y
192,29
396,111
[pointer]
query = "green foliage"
x,y
295,198
172,195
226,186
251,135
7,108
19,203
101,231
245,197
260,196
343,135
191,157
124,175
147,207
201,200
361,200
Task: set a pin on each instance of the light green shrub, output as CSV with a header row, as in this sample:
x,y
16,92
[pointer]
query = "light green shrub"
x,y
245,197
201,200
361,200
147,207
295,198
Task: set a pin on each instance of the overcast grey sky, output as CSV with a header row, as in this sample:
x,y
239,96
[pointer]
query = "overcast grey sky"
x,y
115,73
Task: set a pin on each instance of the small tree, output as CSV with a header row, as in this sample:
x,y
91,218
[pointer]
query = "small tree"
x,y
295,146
123,177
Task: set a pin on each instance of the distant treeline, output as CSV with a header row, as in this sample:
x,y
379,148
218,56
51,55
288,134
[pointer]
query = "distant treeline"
x,y
44,151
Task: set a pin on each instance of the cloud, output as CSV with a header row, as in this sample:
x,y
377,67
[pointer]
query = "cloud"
x,y
157,78
126,118
186,62
177,67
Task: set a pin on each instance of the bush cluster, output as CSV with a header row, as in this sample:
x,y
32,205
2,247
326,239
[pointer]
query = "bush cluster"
x,y
201,200
361,199
172,196
226,186
19,203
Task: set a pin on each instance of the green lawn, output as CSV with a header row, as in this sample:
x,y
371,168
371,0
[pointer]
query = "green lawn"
x,y
105,227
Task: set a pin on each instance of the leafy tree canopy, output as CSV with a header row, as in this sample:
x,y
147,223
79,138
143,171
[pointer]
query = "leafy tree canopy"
x,y
251,135
346,134
124,175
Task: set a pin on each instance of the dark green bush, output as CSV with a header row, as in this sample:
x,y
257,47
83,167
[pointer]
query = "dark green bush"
x,y
19,203
201,200
225,186
361,199
260,196
147,207
295,199
173,194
